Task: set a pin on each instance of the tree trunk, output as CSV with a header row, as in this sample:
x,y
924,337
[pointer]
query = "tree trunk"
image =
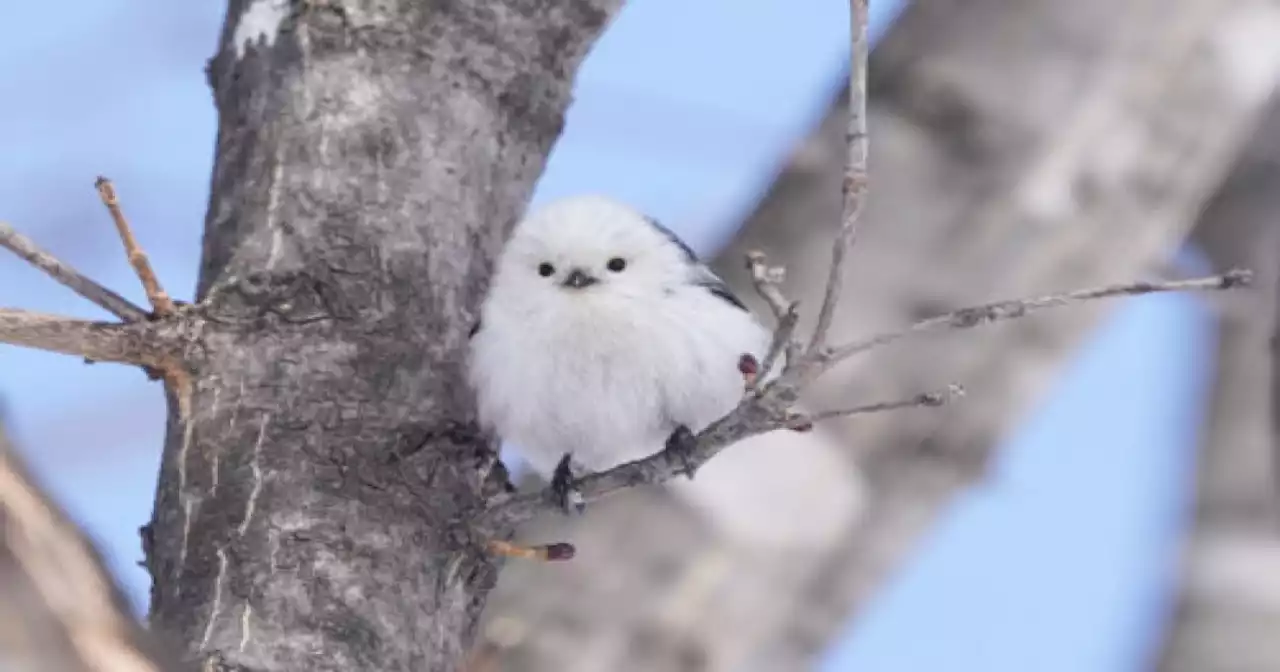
x,y
1228,613
1017,148
371,157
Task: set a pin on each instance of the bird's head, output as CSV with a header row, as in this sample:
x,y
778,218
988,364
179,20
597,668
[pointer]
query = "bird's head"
x,y
591,249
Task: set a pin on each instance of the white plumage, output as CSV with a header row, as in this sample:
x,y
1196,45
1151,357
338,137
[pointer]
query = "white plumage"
x,y
604,371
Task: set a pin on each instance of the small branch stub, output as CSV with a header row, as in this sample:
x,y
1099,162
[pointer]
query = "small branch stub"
x,y
547,552
142,343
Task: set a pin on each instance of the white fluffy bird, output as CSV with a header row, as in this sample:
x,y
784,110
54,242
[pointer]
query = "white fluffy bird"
x,y
604,340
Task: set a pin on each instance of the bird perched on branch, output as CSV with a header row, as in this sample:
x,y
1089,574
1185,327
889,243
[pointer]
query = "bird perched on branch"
x,y
604,340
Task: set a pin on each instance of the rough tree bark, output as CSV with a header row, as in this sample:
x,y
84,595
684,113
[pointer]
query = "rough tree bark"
x,y
61,611
371,157
1074,148
1228,613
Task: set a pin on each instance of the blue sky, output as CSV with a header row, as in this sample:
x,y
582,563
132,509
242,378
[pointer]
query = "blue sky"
x,y
1061,561
1058,562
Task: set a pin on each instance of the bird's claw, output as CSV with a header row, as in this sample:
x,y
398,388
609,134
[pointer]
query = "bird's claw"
x,y
562,490
680,447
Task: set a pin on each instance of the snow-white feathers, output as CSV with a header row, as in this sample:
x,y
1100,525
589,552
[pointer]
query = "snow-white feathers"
x,y
602,333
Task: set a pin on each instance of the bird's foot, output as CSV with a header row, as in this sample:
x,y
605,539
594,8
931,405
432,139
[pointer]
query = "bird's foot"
x,y
680,447
563,491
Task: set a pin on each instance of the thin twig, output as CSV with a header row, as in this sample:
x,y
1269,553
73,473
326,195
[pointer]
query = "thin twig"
x,y
160,301
783,342
854,185
966,318
143,343
768,283
27,250
929,399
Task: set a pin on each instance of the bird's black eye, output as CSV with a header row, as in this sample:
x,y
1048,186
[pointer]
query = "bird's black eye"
x,y
545,269
616,264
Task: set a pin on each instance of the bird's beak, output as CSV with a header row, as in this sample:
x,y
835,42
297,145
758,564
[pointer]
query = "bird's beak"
x,y
578,279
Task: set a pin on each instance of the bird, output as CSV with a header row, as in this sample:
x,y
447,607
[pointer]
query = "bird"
x,y
602,339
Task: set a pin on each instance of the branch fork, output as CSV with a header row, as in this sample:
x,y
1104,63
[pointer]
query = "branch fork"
x,y
152,339
768,399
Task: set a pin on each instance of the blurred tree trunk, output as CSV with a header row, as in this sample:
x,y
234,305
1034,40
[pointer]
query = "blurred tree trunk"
x,y
1017,147
1228,614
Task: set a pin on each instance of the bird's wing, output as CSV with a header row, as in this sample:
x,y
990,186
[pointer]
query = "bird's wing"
x,y
702,276
705,278
671,235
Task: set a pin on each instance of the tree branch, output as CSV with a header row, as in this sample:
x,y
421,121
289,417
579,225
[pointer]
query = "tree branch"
x,y
27,250
854,186
928,399
61,610
143,343
966,318
159,299
767,408
768,280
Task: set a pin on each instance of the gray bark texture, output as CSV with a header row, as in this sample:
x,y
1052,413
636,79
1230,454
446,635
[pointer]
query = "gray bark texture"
x,y
1228,613
60,610
319,462
1017,148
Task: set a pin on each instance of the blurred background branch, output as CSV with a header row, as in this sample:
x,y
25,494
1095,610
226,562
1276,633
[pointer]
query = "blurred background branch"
x,y
61,610
1228,611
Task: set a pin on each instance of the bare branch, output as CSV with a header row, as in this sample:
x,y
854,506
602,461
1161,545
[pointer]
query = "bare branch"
x,y
855,173
928,399
755,415
59,270
61,610
768,283
160,300
142,343
966,318
784,342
